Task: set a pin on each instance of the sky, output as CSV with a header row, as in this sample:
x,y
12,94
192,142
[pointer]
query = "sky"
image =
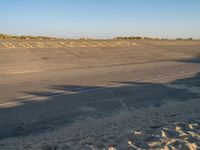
x,y
101,18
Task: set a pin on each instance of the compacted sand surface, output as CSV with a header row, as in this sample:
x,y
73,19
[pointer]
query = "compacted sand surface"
x,y
37,56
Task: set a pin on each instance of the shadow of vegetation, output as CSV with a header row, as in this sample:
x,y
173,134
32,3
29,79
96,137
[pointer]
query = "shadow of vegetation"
x,y
83,102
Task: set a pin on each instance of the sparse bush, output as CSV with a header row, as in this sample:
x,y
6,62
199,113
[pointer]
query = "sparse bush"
x,y
185,39
5,36
147,38
23,37
132,38
190,39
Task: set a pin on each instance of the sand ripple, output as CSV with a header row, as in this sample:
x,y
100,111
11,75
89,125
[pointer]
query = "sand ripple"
x,y
180,136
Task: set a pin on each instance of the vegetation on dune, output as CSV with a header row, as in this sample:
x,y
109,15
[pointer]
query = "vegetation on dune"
x,y
147,38
185,39
6,36
132,38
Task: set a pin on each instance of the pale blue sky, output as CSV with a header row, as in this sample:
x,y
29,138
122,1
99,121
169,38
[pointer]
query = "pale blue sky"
x,y
101,18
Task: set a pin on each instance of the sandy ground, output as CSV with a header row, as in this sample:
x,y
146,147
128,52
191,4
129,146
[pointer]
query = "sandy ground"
x,y
174,125
19,59
153,128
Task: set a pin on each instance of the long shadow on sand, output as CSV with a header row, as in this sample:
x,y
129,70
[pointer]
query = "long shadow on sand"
x,y
83,102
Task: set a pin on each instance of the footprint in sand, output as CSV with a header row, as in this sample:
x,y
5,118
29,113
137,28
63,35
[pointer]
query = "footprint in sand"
x,y
181,136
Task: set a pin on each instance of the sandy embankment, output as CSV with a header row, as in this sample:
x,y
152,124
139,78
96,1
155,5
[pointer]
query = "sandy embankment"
x,y
17,61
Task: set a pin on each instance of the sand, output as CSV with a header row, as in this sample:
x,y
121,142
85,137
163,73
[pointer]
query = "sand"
x,y
172,126
22,60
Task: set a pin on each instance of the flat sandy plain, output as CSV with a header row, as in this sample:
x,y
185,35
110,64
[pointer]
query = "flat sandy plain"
x,y
99,94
